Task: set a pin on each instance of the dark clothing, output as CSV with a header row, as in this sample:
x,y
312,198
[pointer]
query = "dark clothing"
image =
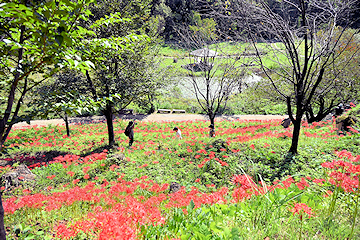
x,y
131,141
212,130
131,136
338,111
286,122
129,131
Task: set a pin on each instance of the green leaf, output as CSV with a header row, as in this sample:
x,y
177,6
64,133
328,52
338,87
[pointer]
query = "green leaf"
x,y
235,233
30,237
191,206
59,39
39,232
185,237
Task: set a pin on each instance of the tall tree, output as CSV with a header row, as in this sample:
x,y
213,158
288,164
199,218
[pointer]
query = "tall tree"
x,y
341,82
303,51
214,75
35,38
121,51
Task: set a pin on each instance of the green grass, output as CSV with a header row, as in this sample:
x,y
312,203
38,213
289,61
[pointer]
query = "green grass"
x,y
234,50
256,148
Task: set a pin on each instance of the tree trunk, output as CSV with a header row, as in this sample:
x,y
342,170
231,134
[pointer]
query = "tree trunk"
x,y
2,227
296,122
212,125
212,119
67,125
296,134
109,121
11,98
91,85
6,117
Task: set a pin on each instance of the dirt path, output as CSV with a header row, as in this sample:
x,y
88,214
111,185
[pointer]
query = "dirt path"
x,y
148,118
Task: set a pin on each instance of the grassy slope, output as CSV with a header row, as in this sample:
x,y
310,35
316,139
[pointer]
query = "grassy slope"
x,y
255,148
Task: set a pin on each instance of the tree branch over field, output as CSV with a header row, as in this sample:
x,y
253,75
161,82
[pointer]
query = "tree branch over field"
x,y
305,42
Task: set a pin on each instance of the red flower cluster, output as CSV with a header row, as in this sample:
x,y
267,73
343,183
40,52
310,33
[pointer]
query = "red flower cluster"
x,y
301,208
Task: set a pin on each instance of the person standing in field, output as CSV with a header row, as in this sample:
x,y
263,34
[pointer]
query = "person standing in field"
x,y
286,122
129,131
178,133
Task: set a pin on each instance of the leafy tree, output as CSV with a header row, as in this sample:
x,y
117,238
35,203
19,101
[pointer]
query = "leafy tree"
x,y
137,11
35,38
66,96
122,58
206,27
180,15
303,51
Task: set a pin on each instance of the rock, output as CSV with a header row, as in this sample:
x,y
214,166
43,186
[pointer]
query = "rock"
x,y
118,159
21,174
328,117
4,163
119,156
174,187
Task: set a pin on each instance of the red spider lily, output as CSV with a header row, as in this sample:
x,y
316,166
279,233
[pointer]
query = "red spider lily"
x,y
51,177
301,208
245,181
75,181
343,180
302,184
287,183
319,181
26,191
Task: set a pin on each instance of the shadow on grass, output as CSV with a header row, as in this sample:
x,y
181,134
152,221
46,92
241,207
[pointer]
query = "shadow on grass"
x,y
100,149
101,119
29,159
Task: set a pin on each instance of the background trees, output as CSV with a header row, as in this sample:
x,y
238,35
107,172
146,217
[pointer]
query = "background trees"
x,y
214,76
63,96
122,50
306,45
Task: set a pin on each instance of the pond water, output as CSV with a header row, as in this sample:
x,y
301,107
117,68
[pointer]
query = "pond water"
x,y
185,84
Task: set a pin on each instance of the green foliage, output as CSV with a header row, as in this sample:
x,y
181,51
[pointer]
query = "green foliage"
x,y
205,27
250,102
38,39
49,31
261,214
29,232
202,223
